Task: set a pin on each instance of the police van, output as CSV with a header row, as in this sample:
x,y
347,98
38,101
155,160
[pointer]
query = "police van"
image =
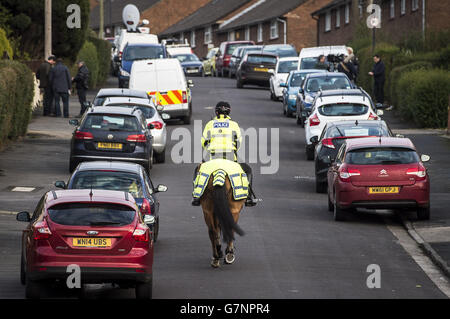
x,y
164,80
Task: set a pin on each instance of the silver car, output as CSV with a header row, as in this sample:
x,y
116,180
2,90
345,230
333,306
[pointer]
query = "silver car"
x,y
154,120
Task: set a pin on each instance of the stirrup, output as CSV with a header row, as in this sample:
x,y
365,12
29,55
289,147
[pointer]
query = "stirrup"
x,y
250,202
195,202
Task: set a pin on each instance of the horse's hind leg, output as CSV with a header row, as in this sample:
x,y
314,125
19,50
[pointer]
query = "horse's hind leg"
x,y
216,247
229,254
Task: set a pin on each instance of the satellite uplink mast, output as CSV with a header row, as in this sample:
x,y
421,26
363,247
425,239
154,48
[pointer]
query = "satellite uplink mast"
x,y
131,16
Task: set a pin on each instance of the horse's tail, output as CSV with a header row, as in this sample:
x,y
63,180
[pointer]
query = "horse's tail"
x,y
222,208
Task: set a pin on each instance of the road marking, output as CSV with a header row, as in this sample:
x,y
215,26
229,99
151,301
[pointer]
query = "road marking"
x,y
5,212
424,262
23,189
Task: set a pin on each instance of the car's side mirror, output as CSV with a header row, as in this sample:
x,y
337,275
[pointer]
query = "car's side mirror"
x,y
380,112
150,126
314,139
159,107
425,158
399,135
190,83
165,116
60,184
74,122
282,84
149,219
271,71
23,217
161,188
300,90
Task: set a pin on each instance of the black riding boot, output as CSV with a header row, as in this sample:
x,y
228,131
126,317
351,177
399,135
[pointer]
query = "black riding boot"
x,y
195,201
250,201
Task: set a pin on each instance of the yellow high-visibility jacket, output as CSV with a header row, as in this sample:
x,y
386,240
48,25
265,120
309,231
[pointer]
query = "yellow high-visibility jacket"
x,y
221,135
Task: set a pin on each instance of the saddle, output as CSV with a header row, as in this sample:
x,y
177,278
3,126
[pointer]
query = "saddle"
x,y
219,169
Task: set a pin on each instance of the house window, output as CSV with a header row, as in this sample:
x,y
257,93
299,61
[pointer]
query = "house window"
x,y
415,5
273,29
392,9
208,35
260,33
347,13
247,33
182,37
403,7
231,36
193,38
328,21
338,17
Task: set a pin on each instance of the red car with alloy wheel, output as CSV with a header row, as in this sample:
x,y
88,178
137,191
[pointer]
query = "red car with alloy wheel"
x,y
378,173
100,231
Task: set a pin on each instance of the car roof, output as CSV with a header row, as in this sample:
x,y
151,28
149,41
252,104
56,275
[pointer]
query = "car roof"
x,y
127,99
55,197
309,71
121,92
360,122
288,58
327,73
366,142
340,92
263,53
109,165
141,44
111,110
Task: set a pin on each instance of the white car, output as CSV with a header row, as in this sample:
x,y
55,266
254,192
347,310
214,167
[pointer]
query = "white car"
x,y
337,105
152,117
282,69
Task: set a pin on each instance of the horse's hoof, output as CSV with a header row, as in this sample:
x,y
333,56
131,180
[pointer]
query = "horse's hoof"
x,y
215,263
229,258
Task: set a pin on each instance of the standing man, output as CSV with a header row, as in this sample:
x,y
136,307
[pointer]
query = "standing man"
x,y
42,75
61,84
378,73
81,83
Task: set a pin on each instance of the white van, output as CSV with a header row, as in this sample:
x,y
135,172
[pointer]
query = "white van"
x,y
308,57
134,37
164,80
174,49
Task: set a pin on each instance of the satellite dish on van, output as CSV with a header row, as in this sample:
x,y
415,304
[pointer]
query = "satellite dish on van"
x,y
131,16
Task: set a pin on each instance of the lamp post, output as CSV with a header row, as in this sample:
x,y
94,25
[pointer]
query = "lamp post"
x,y
48,29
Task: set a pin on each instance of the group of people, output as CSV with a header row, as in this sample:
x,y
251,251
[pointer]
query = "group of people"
x,y
350,67
56,82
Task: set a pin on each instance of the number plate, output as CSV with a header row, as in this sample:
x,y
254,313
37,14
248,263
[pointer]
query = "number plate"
x,y
261,69
110,146
91,242
384,190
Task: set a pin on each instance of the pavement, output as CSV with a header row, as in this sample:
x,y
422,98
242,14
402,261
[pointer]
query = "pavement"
x,y
292,248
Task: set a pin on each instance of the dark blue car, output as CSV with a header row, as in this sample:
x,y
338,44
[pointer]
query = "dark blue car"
x,y
191,63
138,51
120,176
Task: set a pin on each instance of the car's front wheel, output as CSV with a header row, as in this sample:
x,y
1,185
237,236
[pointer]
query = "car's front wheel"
x,y
33,289
423,213
160,157
23,274
144,290
338,213
309,150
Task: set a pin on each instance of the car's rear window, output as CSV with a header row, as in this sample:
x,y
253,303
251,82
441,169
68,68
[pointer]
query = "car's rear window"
x,y
186,58
297,79
324,83
111,122
91,214
308,63
108,180
357,130
287,66
231,47
282,52
343,109
148,111
381,156
261,59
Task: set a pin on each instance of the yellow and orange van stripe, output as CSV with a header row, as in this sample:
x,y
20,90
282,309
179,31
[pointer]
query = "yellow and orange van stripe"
x,y
169,97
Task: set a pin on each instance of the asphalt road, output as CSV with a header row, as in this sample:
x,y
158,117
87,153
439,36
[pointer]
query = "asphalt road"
x,y
292,248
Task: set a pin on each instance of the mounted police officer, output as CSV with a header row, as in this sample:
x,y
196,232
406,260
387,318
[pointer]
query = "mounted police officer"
x,y
222,138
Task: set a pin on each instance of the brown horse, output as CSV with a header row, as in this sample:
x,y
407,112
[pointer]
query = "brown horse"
x,y
221,214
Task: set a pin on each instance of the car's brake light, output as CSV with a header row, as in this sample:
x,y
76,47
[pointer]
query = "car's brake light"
x,y
145,207
328,142
419,172
141,233
80,135
41,230
138,138
120,54
345,174
184,97
372,117
314,120
157,125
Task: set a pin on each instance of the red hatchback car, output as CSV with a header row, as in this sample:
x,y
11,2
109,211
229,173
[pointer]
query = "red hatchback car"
x,y
378,173
223,56
100,231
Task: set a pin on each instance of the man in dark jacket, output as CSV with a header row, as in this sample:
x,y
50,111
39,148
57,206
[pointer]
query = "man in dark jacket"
x,y
42,75
378,73
81,82
321,63
61,84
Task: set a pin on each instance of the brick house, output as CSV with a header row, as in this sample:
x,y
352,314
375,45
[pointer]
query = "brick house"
x,y
160,13
273,22
336,25
200,27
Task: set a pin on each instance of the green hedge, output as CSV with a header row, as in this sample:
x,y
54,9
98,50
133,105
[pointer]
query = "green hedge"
x,y
5,46
88,54
395,74
16,96
425,97
103,57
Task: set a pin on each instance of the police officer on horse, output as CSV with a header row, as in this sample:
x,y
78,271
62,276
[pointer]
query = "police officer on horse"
x,y
222,138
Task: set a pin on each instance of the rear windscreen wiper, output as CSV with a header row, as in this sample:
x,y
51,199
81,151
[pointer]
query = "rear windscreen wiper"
x,y
103,223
